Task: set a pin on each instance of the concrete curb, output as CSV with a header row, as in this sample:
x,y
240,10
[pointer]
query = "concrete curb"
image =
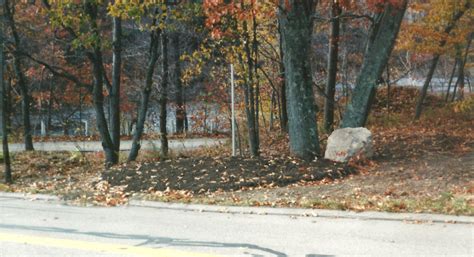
x,y
321,213
30,197
290,212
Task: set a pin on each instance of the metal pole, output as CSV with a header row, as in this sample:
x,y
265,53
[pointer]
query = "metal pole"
x,y
233,109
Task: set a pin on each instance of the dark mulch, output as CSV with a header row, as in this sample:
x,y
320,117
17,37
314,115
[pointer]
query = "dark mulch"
x,y
207,174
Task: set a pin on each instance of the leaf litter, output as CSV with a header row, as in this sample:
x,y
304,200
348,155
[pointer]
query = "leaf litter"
x,y
422,166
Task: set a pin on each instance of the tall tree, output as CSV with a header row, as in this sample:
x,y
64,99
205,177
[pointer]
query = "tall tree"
x,y
180,97
73,18
164,94
116,77
96,58
283,110
451,79
250,89
296,21
234,23
381,42
330,89
457,14
18,67
3,102
461,76
153,50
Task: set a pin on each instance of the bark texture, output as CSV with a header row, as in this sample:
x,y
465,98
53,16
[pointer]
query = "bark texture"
x,y
451,80
461,75
22,83
250,94
145,95
3,112
95,57
330,89
164,95
296,21
381,42
116,76
282,95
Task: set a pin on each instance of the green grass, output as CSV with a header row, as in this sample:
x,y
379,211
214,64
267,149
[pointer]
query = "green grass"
x,y
445,203
4,188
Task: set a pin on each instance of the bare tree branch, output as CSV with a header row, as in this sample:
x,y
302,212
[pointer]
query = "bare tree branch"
x,y
60,72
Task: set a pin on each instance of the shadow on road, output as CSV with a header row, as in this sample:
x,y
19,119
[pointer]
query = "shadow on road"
x,y
157,242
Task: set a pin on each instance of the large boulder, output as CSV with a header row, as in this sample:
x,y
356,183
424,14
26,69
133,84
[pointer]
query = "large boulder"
x,y
343,144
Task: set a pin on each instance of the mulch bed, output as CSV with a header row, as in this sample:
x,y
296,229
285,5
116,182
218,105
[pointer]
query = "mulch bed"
x,y
205,175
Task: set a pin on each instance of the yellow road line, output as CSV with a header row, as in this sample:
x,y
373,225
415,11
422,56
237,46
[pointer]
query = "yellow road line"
x,y
96,247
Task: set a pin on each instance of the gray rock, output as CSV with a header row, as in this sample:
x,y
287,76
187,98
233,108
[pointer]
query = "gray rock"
x,y
343,144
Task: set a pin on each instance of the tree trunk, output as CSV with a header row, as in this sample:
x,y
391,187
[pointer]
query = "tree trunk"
x,y
460,71
115,90
180,107
461,76
455,90
255,44
164,95
344,66
186,121
330,90
451,79
272,109
296,21
434,62
8,102
424,89
145,95
378,52
111,156
18,65
249,95
3,112
387,81
66,128
49,111
282,100
95,57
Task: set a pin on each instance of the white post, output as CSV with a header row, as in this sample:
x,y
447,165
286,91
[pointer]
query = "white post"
x,y
86,125
233,110
43,128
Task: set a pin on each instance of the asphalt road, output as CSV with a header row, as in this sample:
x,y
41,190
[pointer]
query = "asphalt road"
x,y
92,146
35,227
